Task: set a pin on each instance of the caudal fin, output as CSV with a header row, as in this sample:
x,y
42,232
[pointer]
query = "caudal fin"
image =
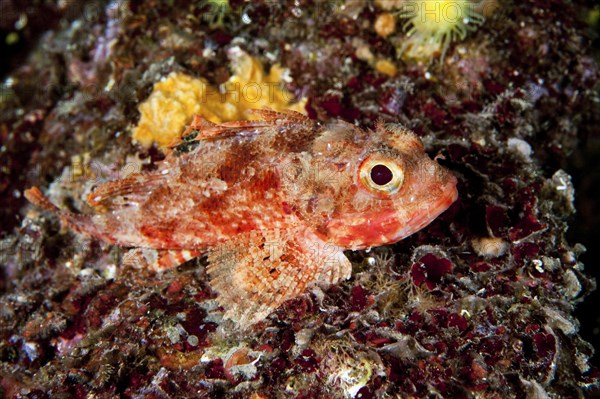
x,y
79,223
35,196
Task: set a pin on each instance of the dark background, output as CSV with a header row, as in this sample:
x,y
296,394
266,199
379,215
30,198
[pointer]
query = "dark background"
x,y
584,166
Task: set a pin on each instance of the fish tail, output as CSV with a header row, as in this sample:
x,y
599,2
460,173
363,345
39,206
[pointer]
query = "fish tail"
x,y
35,196
80,223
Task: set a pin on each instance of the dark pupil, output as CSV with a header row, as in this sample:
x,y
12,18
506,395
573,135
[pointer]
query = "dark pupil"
x,y
381,175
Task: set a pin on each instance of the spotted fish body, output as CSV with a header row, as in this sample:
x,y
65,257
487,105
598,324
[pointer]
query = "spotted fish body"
x,y
273,202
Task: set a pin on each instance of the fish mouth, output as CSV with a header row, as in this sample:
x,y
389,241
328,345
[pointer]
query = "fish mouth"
x,y
432,211
360,232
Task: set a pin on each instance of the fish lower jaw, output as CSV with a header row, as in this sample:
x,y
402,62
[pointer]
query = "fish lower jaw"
x,y
386,228
428,215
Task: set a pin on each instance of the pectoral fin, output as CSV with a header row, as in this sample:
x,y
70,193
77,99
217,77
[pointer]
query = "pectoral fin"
x,y
256,272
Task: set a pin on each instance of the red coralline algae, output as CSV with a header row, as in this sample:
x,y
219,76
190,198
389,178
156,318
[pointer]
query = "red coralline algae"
x,y
430,270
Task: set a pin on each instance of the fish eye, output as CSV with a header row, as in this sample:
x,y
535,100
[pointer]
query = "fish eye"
x,y
381,175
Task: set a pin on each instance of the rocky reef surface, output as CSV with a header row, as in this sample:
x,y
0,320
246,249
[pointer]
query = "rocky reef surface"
x,y
477,305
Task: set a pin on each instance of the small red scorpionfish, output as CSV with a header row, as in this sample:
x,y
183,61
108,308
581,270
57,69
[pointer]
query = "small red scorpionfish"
x,y
274,203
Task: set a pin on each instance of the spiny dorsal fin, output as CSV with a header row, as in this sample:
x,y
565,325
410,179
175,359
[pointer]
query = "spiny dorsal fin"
x,y
135,188
283,117
206,130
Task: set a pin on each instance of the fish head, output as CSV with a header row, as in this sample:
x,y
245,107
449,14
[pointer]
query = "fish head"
x,y
392,190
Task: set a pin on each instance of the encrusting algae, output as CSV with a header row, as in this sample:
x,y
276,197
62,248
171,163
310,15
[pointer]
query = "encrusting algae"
x,y
178,97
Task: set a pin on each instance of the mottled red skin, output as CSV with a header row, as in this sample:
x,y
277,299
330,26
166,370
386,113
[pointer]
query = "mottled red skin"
x,y
286,177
